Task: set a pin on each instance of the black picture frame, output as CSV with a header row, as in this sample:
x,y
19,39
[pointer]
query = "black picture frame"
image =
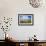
x,y
25,19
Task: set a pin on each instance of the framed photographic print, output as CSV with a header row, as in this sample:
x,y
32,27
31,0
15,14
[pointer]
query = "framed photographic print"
x,y
25,19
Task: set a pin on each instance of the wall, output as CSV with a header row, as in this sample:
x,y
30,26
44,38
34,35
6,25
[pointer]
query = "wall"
x,y
11,8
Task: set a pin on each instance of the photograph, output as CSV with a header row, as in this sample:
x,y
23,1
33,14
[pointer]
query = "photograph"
x,y
25,19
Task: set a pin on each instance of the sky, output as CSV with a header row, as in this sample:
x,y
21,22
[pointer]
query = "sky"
x,y
25,17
